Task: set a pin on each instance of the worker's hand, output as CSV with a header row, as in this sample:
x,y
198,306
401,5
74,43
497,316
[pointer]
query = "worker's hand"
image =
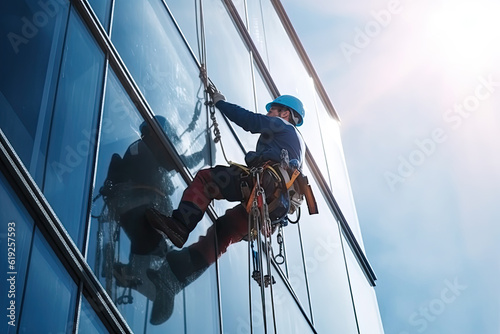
x,y
217,96
214,94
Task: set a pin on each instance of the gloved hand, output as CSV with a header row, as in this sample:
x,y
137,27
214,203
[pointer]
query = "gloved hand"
x,y
214,94
212,91
217,96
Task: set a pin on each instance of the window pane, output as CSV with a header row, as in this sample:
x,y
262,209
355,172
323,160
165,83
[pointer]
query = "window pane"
x,y
30,60
123,246
367,311
166,73
89,321
289,318
338,174
72,137
47,277
119,205
324,257
16,235
186,14
228,60
294,261
102,10
288,72
234,281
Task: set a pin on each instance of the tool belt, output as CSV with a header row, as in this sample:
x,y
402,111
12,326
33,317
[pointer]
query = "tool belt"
x,y
285,190
298,188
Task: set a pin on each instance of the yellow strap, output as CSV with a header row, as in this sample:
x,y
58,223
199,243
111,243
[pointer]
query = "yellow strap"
x,y
274,171
245,168
292,179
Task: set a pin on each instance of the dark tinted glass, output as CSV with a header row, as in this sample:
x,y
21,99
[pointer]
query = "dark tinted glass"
x,y
50,295
16,235
29,63
73,134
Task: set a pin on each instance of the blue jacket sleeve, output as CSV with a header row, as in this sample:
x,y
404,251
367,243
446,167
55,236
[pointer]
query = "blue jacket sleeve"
x,y
248,120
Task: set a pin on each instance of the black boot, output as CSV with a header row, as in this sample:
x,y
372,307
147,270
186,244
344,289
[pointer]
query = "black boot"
x,y
177,227
181,268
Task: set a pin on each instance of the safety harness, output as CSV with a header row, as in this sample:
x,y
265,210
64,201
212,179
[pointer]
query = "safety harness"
x,y
291,183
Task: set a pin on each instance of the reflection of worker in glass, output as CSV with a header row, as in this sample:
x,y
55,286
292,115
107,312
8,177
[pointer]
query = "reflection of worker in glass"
x,y
142,180
278,132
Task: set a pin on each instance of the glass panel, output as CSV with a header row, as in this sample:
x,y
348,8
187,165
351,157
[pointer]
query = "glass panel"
x,y
72,137
102,10
367,310
89,322
166,73
257,28
289,317
30,61
294,262
240,7
288,72
249,140
338,173
264,96
134,173
15,236
228,60
49,302
186,15
234,281
328,282
110,247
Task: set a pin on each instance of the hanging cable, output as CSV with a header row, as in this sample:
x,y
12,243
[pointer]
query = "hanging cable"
x,y
268,230
258,221
256,213
250,262
208,84
260,229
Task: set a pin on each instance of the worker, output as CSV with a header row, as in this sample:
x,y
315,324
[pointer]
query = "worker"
x,y
278,134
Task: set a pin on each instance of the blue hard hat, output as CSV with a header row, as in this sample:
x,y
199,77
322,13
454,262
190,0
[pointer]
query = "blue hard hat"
x,y
291,102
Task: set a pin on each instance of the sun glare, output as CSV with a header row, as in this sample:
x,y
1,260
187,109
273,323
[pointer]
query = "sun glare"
x,y
466,33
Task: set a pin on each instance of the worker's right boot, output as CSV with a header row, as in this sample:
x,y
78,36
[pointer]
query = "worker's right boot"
x,y
176,228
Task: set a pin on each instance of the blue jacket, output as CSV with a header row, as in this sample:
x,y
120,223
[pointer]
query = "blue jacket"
x,y
276,134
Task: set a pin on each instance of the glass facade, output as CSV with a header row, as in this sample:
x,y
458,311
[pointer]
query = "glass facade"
x,y
102,116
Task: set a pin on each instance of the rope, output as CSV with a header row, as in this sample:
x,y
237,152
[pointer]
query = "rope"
x,y
259,223
250,260
258,226
202,50
269,250
258,220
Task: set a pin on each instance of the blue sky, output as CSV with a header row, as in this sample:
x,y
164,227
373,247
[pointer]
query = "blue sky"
x,y
417,87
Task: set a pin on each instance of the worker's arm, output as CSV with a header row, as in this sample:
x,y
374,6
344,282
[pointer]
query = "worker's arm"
x,y
249,121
